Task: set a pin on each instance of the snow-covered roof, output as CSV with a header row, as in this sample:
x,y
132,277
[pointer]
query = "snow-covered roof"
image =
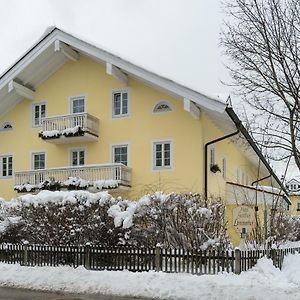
x,y
43,59
293,181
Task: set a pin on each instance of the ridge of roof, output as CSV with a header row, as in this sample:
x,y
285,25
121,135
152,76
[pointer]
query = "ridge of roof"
x,y
53,29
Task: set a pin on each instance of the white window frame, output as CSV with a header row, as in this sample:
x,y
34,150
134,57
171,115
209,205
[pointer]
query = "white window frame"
x,y
121,115
114,146
6,129
238,176
224,168
2,156
163,167
71,156
163,102
74,98
33,160
34,105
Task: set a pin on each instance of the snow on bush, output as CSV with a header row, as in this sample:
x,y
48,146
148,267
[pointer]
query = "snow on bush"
x,y
79,217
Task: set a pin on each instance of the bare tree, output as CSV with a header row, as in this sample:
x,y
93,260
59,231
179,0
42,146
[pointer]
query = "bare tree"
x,y
262,40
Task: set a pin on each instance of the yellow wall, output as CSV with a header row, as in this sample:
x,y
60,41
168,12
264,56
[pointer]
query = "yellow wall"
x,y
293,208
139,130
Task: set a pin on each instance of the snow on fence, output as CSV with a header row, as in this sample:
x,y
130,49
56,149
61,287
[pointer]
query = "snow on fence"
x,y
139,259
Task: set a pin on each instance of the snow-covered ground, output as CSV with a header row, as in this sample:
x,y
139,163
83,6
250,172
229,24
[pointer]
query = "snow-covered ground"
x,y
262,282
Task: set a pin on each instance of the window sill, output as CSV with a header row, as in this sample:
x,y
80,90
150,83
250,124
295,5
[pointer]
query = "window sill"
x,y
120,116
162,169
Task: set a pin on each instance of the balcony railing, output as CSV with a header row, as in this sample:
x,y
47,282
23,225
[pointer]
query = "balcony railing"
x,y
80,124
117,172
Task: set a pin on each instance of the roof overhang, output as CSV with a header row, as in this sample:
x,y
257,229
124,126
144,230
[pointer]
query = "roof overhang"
x,y
57,47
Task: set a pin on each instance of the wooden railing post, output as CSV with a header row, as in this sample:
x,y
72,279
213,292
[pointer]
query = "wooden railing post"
x,y
25,258
273,257
237,258
87,256
158,259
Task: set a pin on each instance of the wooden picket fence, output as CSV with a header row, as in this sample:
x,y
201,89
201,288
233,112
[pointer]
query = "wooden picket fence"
x,y
139,259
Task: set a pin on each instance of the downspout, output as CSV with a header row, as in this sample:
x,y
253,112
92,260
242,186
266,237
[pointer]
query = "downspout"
x,y
205,156
256,181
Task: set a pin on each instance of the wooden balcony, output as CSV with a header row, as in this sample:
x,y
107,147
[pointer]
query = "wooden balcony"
x,y
92,177
81,127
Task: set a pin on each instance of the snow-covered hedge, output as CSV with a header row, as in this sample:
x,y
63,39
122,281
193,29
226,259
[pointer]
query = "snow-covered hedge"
x,y
78,217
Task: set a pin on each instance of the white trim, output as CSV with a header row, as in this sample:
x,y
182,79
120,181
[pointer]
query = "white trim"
x,y
21,90
72,98
32,161
116,73
212,150
190,107
84,149
163,168
113,116
33,111
66,50
115,145
238,175
165,102
2,155
224,174
2,129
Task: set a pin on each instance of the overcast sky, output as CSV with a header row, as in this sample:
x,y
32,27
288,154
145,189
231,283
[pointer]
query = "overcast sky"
x,y
175,38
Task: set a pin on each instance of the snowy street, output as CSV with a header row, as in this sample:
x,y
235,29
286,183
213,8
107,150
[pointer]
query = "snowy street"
x,y
21,294
263,281
18,294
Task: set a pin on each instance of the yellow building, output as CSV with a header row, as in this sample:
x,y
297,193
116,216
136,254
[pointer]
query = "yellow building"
x,y
73,114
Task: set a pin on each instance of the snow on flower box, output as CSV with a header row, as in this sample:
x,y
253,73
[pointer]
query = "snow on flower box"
x,y
70,128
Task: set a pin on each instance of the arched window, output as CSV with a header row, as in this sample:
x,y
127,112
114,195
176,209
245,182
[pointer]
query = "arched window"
x,y
162,106
6,126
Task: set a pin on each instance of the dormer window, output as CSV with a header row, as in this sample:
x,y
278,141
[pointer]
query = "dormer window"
x,y
162,106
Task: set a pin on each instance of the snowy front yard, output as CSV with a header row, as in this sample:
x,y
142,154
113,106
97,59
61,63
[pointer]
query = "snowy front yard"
x,y
262,282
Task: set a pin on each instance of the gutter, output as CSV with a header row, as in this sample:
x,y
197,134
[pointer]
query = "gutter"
x,y
247,136
205,156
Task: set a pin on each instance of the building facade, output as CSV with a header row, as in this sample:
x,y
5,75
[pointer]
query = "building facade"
x,y
73,115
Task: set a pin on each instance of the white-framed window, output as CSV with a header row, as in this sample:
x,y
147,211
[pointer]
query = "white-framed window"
x,y
6,126
238,175
120,104
162,155
38,160
120,154
298,206
6,166
224,168
162,106
77,104
77,157
39,111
